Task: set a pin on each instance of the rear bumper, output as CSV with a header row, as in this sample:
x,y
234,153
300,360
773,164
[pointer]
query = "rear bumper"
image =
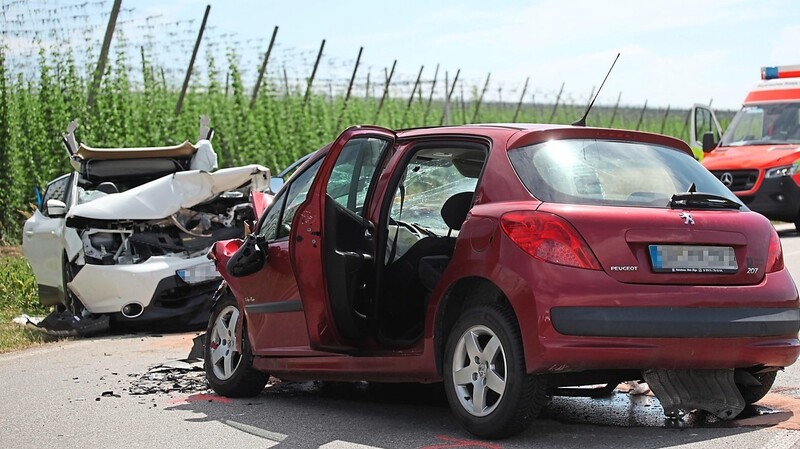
x,y
776,199
675,322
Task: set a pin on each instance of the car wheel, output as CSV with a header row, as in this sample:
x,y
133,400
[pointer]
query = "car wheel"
x,y
754,393
228,362
486,384
71,302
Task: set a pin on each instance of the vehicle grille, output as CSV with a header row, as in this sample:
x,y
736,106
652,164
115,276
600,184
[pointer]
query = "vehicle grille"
x,y
741,179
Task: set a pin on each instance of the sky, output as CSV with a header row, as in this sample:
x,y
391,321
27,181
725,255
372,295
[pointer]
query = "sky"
x,y
674,52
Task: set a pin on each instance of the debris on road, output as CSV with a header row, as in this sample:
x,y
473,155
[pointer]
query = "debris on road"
x,y
65,324
181,376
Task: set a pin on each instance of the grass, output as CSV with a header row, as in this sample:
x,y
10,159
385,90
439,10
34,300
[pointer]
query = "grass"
x,y
17,296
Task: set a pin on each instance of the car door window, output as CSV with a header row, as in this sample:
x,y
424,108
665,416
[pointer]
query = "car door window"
x,y
56,190
354,170
296,195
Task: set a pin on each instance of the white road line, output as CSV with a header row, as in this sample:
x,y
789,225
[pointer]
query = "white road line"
x,y
274,437
785,439
338,444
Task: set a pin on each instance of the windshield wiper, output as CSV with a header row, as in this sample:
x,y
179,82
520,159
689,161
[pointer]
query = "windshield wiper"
x,y
701,200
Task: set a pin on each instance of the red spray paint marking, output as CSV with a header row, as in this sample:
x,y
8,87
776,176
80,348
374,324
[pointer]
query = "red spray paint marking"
x,y
455,442
200,397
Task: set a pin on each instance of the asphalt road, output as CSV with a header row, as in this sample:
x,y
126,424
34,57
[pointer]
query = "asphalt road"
x,y
53,396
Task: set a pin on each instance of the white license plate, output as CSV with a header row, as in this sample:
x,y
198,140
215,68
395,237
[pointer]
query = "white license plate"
x,y
693,259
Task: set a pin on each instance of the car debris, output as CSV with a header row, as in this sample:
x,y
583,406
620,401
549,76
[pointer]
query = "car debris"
x,y
123,239
182,376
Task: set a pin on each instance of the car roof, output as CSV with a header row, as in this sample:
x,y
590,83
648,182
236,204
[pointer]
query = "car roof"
x,y
521,134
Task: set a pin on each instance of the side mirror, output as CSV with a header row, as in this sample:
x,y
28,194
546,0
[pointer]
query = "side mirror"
x,y
56,209
708,142
248,259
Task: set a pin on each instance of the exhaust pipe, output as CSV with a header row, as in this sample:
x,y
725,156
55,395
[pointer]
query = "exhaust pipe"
x,y
132,310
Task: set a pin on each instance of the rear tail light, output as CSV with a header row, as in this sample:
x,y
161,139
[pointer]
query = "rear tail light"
x,y
549,238
775,253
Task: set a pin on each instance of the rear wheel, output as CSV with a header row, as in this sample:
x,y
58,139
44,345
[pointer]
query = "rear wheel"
x,y
755,393
486,384
228,360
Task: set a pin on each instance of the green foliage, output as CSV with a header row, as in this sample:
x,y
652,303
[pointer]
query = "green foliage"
x,y
279,127
17,296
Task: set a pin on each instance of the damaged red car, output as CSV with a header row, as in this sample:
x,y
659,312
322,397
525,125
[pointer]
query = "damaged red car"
x,y
511,263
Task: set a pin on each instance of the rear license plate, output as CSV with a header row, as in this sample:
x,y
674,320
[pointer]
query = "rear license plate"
x,y
693,259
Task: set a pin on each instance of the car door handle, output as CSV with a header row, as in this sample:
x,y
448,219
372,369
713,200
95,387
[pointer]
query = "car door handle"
x,y
29,233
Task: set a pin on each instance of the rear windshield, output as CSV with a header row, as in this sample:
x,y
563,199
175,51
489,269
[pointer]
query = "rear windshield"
x,y
612,173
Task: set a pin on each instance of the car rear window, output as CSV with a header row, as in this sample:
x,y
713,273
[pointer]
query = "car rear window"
x,y
613,173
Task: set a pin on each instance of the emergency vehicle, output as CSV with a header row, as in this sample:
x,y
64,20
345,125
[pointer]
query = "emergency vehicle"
x,y
758,157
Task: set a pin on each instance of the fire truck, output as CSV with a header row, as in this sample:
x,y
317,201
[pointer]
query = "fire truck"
x,y
758,156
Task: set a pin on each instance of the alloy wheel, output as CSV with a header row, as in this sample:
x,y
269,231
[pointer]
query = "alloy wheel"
x,y
479,370
225,352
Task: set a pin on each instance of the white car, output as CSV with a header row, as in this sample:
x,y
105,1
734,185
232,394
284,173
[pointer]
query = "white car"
x,y
125,236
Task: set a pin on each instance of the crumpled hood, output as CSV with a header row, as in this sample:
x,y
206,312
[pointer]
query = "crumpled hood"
x,y
751,157
167,195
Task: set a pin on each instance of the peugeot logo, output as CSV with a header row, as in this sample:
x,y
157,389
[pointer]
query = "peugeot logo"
x,y
687,218
726,179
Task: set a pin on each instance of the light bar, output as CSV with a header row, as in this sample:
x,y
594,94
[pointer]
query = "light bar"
x,y
784,71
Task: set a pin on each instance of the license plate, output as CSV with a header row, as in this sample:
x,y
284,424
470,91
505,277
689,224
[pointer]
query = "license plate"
x,y
693,259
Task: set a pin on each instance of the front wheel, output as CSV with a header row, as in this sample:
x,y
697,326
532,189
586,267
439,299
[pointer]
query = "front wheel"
x,y
228,360
486,384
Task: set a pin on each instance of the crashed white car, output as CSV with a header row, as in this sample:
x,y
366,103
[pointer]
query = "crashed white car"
x,y
126,235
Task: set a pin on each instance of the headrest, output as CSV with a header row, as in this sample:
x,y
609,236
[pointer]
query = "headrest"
x,y
456,208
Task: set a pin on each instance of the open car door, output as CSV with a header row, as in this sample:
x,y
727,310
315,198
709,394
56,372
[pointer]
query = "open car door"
x,y
702,120
332,244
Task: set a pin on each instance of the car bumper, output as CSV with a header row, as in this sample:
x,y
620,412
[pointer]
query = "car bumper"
x,y
589,321
109,288
776,199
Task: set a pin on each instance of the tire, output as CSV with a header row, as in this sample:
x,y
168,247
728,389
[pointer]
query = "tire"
x,y
754,393
511,398
71,302
229,364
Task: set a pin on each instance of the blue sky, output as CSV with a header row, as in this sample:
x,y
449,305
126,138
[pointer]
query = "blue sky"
x,y
674,52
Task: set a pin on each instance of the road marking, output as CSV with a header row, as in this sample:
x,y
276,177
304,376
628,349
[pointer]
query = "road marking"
x,y
338,444
456,443
274,437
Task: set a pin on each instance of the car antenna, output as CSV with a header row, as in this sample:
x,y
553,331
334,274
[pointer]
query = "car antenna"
x,y
582,121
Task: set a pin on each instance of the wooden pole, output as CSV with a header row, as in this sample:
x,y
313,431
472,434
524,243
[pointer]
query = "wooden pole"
x,y
430,97
263,68
313,73
285,81
521,97
449,95
353,77
179,106
144,67
103,59
463,105
641,116
385,91
555,106
414,90
664,120
480,98
366,92
614,114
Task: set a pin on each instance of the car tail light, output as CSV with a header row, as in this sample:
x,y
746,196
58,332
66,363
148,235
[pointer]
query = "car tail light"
x,y
775,253
548,237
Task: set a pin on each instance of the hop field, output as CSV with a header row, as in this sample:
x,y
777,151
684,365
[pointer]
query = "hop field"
x,y
135,105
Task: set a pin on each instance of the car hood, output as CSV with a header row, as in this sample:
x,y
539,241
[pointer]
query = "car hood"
x,y
167,195
751,157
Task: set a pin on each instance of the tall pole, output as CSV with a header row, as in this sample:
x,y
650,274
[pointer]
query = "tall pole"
x,y
101,62
641,116
185,87
555,106
616,107
385,90
313,73
263,68
353,77
430,97
449,96
521,97
480,99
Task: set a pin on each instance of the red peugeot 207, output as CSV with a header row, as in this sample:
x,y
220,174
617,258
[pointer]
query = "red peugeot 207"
x,y
509,262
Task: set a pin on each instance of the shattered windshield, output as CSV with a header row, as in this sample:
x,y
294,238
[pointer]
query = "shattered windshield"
x,y
764,124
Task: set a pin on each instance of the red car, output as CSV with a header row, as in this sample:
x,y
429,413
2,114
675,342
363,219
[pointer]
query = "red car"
x,y
509,262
